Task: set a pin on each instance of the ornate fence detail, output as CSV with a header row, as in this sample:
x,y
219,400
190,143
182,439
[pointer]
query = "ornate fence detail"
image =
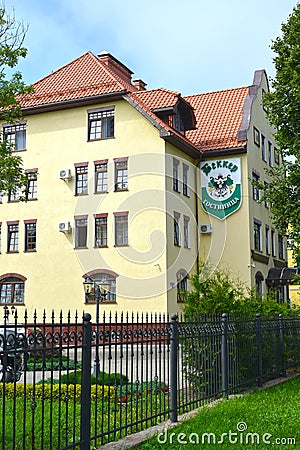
x,y
70,383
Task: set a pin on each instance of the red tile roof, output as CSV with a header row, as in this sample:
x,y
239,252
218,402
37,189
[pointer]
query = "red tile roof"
x,y
218,114
84,77
158,98
219,118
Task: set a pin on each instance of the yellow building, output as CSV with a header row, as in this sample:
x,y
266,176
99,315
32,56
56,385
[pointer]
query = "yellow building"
x,y
117,186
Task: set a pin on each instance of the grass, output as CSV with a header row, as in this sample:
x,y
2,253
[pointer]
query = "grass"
x,y
275,411
42,424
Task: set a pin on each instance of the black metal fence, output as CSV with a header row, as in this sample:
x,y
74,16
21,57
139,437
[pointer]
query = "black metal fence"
x,y
69,383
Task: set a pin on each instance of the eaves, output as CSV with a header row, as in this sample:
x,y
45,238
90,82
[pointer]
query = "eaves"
x,y
164,133
74,103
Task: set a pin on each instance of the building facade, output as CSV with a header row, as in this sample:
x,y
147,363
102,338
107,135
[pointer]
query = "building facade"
x,y
116,177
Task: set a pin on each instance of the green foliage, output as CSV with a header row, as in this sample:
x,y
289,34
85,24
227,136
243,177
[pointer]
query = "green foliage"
x,y
112,379
63,392
12,34
216,291
51,364
283,106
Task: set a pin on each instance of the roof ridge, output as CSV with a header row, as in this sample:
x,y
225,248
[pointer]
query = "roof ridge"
x,y
217,91
158,89
62,67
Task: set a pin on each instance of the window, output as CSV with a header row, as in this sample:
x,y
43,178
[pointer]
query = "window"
x,y
280,247
273,243
14,194
30,236
81,181
263,147
101,177
267,237
270,153
12,237
15,135
259,282
255,179
101,124
176,229
186,232
176,175
100,230
185,186
182,285
121,229
81,232
101,278
32,186
265,191
12,289
256,136
257,236
121,175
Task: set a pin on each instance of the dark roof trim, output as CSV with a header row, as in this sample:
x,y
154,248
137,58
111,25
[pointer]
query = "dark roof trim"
x,y
224,151
247,108
184,146
168,136
74,103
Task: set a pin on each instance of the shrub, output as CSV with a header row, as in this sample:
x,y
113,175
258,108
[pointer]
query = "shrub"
x,y
62,392
106,379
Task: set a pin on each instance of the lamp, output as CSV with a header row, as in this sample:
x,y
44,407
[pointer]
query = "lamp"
x,y
101,289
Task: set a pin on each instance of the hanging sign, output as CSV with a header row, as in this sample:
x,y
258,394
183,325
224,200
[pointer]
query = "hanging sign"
x,y
221,186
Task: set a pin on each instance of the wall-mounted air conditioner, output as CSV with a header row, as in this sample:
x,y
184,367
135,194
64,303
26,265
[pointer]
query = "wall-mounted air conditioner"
x,y
65,174
64,226
205,228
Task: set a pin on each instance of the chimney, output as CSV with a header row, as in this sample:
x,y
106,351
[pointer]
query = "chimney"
x,y
139,84
116,66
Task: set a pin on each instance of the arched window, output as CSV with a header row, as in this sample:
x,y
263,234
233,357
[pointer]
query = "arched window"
x,y
182,284
259,278
12,288
101,277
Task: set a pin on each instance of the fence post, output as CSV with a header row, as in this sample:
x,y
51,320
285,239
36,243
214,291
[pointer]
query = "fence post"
x,y
259,351
281,330
85,411
173,368
224,355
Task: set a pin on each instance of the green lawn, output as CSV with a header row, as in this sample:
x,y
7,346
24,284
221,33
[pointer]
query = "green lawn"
x,y
263,419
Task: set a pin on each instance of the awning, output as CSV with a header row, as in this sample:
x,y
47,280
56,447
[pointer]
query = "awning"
x,y
281,276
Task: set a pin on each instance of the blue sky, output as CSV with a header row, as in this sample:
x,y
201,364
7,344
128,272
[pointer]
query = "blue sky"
x,y
188,46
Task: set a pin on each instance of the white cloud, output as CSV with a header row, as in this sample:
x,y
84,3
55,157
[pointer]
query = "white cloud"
x,y
188,46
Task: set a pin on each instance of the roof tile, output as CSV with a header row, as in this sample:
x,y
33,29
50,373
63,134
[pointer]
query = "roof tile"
x,y
219,117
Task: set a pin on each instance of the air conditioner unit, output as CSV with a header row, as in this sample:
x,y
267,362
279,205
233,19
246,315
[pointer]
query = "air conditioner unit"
x,y
64,226
205,228
65,174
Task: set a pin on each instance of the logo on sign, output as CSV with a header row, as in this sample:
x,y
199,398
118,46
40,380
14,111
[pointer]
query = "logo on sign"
x,y
221,187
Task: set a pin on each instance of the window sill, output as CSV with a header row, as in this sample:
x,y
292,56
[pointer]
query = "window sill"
x,y
101,139
121,245
81,195
12,252
80,248
101,246
121,190
101,192
105,302
30,251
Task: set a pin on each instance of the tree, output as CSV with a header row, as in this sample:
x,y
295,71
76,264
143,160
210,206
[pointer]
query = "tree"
x,y
283,110
12,35
217,291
